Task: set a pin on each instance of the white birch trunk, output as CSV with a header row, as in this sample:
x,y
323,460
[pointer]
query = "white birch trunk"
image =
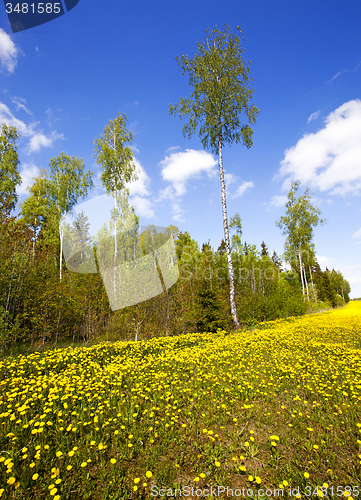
x,y
226,238
304,273
301,272
313,286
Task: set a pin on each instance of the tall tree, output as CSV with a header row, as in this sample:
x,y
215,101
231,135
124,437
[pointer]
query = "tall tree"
x,y
113,154
220,78
68,183
36,206
298,223
9,161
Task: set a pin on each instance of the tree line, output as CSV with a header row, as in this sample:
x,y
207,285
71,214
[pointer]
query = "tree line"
x,y
235,285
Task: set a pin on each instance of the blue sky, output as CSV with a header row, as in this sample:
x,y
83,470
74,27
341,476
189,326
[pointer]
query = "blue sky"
x,y
63,81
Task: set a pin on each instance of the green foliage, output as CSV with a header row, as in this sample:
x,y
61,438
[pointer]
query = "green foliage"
x,y
114,156
9,161
220,77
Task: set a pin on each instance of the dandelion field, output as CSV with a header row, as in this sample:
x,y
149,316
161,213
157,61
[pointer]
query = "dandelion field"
x,y
277,407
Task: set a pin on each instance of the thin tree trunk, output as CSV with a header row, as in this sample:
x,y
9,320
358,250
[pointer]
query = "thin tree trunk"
x,y
301,272
226,237
313,286
304,273
115,250
61,231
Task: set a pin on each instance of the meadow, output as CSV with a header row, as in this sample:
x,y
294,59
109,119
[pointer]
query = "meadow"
x,y
273,412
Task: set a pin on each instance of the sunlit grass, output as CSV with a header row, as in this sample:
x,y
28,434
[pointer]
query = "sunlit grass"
x,y
278,407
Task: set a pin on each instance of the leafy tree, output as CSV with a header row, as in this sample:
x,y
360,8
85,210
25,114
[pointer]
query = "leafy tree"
x,y
36,207
236,224
298,223
220,78
115,157
9,161
68,183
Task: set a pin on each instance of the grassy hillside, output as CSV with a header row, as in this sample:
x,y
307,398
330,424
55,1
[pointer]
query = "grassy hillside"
x,y
276,408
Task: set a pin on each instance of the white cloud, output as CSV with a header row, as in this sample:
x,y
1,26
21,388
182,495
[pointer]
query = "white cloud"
x,y
357,235
139,186
172,148
355,68
229,179
179,167
325,261
36,138
330,159
20,104
28,173
313,116
8,52
177,212
279,201
142,206
242,189
7,117
39,140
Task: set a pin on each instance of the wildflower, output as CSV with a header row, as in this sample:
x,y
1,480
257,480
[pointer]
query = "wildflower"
x,y
306,474
148,474
217,464
35,476
113,461
11,480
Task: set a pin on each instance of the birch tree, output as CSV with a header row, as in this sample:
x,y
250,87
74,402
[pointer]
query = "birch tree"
x,y
220,78
36,206
298,223
113,154
68,183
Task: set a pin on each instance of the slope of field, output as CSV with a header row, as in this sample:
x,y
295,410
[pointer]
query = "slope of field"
x,y
276,408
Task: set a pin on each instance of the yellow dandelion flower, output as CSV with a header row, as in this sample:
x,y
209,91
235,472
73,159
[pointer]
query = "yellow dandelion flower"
x,y
35,476
196,479
11,480
83,464
148,474
258,480
113,461
135,487
136,480
250,479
